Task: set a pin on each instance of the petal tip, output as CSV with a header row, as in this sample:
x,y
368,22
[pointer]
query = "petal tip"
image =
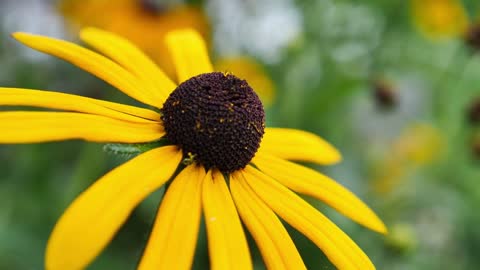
x,y
372,222
331,156
379,227
383,229
336,156
25,38
18,35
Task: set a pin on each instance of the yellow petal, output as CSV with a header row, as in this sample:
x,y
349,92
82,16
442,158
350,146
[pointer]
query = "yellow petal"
x,y
307,181
62,101
173,239
277,248
189,53
131,58
227,244
299,145
30,127
91,62
336,245
91,221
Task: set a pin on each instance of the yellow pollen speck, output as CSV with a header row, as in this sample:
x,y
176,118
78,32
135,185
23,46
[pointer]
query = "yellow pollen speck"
x,y
190,159
230,107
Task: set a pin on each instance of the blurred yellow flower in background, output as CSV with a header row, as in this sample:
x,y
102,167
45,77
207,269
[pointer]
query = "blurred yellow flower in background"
x,y
439,18
140,21
146,23
417,146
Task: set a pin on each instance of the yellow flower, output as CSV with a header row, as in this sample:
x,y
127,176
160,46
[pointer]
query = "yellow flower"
x,y
439,18
212,121
419,145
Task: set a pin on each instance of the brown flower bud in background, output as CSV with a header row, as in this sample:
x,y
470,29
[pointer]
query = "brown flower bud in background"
x,y
473,113
476,148
384,94
472,37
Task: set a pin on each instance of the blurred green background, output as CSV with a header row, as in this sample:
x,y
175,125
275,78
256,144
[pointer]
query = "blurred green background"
x,y
398,96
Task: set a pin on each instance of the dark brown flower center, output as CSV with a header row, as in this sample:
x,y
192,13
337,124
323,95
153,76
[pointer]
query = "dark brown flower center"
x,y
216,118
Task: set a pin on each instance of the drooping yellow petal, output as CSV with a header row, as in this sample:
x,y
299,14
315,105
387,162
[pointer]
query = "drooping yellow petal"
x,y
91,62
336,245
299,145
307,181
173,239
227,244
68,102
277,248
131,58
32,127
91,221
189,53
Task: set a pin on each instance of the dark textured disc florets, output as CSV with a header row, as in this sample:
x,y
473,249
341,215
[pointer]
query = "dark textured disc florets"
x,y
216,118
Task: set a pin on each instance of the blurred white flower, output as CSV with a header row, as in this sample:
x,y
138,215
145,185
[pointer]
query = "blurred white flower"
x,y
260,28
349,33
33,16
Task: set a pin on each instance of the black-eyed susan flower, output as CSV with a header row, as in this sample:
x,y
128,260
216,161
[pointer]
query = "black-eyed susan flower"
x,y
216,151
440,18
